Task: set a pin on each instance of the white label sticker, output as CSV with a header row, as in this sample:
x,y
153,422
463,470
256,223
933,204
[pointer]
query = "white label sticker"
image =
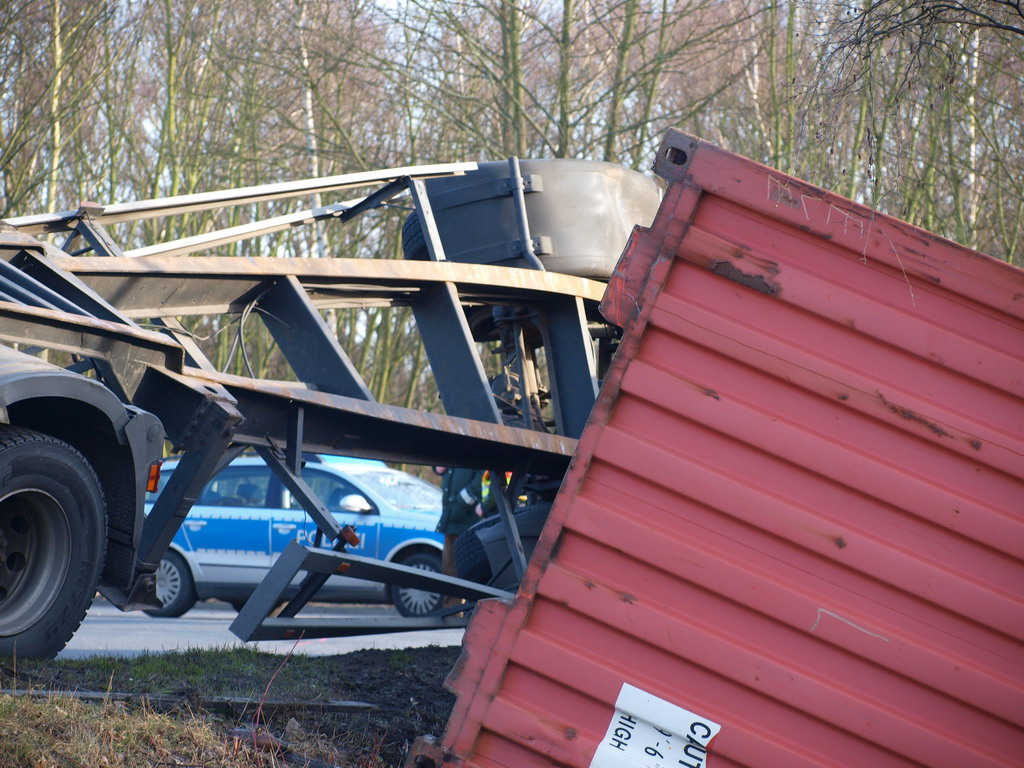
x,y
650,732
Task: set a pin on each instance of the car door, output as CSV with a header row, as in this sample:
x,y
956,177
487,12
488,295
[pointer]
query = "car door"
x,y
228,527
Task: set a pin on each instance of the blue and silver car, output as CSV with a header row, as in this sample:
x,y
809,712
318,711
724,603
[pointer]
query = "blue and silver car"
x,y
244,518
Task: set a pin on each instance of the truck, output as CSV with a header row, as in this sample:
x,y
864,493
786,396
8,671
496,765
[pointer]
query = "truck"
x,y
500,264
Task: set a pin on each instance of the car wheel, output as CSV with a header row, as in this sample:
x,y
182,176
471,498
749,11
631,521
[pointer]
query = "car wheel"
x,y
52,542
174,587
413,602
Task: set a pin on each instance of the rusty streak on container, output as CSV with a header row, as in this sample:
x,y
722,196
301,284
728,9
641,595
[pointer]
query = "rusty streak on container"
x,y
797,509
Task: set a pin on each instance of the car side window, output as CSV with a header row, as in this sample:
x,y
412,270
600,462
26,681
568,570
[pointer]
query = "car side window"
x,y
237,487
330,488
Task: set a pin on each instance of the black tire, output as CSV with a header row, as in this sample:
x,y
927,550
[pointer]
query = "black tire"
x,y
414,244
471,561
175,587
412,602
52,542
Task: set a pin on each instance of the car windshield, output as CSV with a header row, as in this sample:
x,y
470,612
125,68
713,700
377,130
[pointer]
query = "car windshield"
x,y
402,490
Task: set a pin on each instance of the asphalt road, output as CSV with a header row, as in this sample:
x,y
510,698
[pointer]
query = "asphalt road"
x,y
108,631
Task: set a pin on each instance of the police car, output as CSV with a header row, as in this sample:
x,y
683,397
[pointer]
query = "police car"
x,y
244,518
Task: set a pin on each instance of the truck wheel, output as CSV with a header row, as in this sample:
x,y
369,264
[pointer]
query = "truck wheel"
x,y
175,587
471,561
417,602
471,548
414,243
52,542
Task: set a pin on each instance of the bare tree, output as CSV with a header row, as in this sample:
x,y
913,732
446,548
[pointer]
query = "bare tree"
x,y
50,68
937,87
879,20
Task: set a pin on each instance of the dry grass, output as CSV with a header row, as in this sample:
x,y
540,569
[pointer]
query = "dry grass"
x,y
44,733
66,732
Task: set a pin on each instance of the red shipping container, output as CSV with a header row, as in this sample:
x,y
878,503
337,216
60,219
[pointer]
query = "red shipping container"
x,y
793,530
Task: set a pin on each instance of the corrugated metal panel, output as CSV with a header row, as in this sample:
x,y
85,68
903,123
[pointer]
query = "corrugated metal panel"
x,y
796,511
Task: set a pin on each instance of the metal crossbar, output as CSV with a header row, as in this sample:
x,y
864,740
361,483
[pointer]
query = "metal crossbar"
x,y
225,198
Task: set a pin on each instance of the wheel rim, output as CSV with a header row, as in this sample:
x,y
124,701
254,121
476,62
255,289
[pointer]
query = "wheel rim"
x,y
419,601
168,583
35,549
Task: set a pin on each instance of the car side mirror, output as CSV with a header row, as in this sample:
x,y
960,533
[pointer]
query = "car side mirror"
x,y
355,503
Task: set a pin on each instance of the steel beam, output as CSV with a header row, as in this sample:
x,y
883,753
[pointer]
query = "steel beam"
x,y
252,622
453,356
21,288
204,242
225,198
194,355
186,286
519,197
98,240
64,292
294,628
305,495
128,351
350,427
212,426
572,368
428,225
505,499
79,298
306,342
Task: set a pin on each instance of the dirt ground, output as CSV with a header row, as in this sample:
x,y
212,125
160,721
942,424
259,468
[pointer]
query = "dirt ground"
x,y
408,688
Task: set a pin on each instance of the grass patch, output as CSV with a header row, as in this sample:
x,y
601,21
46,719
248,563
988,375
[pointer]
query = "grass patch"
x,y
406,687
235,671
41,733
